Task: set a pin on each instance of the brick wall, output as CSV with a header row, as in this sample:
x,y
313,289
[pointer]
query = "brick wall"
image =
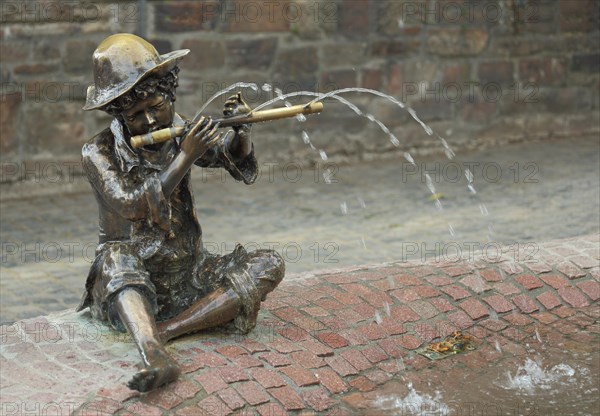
x,y
480,73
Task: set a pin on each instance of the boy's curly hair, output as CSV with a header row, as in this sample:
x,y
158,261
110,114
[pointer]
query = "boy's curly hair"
x,y
165,84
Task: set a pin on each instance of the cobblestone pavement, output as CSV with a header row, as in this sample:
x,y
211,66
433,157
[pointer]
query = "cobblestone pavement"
x,y
335,342
372,213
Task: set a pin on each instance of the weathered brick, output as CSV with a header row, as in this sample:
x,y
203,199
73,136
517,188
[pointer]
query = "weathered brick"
x,y
474,308
529,281
362,383
275,359
35,69
231,398
186,16
283,346
77,56
287,397
271,409
452,41
340,366
371,78
332,339
525,303
404,314
543,71
539,267
209,54
253,17
517,319
298,66
307,359
9,110
331,381
317,348
395,48
337,79
499,303
185,389
255,54
506,288
406,294
246,361
252,393
373,331
293,333
570,270
460,319
230,351
374,354
318,399
585,262
300,375
589,63
267,378
233,373
439,280
356,359
555,281
573,297
14,51
592,289
164,398
490,275
354,17
455,292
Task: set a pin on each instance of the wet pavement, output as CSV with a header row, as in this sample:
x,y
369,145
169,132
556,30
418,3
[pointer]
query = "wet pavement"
x,y
370,213
346,343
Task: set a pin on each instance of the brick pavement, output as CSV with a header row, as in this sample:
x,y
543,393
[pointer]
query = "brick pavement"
x,y
323,341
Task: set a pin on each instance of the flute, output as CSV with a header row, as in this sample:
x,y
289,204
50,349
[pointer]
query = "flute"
x,y
163,135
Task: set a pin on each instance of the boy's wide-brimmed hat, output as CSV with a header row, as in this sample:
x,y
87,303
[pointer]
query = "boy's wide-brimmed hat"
x,y
120,62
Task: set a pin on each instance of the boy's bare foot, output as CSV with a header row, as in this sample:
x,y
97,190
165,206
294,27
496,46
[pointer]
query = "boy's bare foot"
x,y
162,369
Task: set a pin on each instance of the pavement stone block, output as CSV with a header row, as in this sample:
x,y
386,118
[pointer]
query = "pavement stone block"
x,y
355,337
374,354
439,280
499,303
474,308
373,331
404,314
442,304
212,406
455,292
356,359
406,294
572,271
506,288
460,319
246,361
331,380
233,373
267,378
525,303
490,275
341,366
288,398
283,346
538,267
362,383
529,281
555,281
475,283
231,398
275,359
308,359
563,311
424,309
300,375
271,409
318,399
211,381
510,268
573,297
591,289
230,351
455,271
164,398
294,333
545,318
332,340
406,280
252,392
517,319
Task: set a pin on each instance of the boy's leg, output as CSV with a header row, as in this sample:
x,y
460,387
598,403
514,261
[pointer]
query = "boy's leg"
x,y
216,308
135,313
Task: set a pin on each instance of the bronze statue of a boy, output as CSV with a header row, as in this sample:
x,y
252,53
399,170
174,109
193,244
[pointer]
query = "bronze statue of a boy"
x,y
151,276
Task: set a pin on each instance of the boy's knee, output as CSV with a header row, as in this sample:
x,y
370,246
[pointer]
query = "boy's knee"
x,y
267,268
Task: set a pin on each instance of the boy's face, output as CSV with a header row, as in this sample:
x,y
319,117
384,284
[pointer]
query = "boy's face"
x,y
153,113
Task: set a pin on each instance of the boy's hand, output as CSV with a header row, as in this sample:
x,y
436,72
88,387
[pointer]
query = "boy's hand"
x,y
200,138
240,146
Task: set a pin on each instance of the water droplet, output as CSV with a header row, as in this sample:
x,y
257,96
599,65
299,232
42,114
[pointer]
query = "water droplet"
x,y
378,318
278,92
451,230
305,137
483,209
253,87
362,240
497,345
386,308
408,157
327,176
394,140
469,175
471,189
438,204
301,117
370,117
267,87
323,154
287,104
344,208
361,202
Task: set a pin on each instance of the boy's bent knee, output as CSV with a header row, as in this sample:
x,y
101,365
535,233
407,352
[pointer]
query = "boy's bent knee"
x,y
267,268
